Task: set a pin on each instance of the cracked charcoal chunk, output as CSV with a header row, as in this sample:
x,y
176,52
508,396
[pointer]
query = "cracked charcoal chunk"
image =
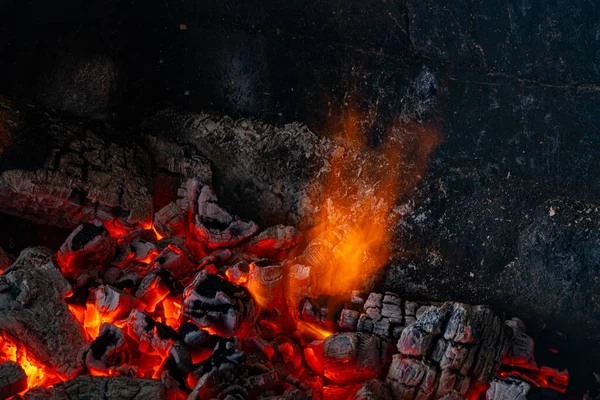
x,y
220,371
101,388
454,345
33,313
507,390
12,379
75,173
274,240
354,356
217,227
43,259
373,390
215,303
88,245
108,349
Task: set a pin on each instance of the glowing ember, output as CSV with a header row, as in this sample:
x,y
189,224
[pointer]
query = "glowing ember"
x,y
37,373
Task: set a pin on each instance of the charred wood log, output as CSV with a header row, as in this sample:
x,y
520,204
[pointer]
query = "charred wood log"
x,y
12,379
101,388
219,305
215,226
71,174
33,313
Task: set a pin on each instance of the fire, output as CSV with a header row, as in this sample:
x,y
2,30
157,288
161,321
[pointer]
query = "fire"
x,y
314,331
360,190
37,373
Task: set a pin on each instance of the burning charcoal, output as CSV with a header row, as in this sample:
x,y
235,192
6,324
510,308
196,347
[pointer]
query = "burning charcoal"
x,y
107,350
457,343
129,280
158,284
175,260
410,308
111,303
357,297
451,382
373,390
353,357
521,350
100,387
195,337
33,313
416,342
219,371
219,305
263,346
43,259
410,378
238,273
87,278
365,324
87,245
111,275
274,240
507,390
333,392
348,319
153,337
311,311
215,226
264,381
375,300
169,219
290,352
300,283
266,284
216,257
177,367
12,379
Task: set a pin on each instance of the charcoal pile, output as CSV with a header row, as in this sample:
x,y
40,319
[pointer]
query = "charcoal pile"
x,y
206,305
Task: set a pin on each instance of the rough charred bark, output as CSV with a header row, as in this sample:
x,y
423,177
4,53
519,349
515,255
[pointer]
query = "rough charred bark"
x,y
33,313
101,388
61,171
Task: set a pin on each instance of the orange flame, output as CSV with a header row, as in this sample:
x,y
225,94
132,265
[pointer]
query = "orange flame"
x,y
315,331
361,188
37,373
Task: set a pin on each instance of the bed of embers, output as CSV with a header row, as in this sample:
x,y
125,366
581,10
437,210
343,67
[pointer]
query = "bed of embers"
x,y
200,304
